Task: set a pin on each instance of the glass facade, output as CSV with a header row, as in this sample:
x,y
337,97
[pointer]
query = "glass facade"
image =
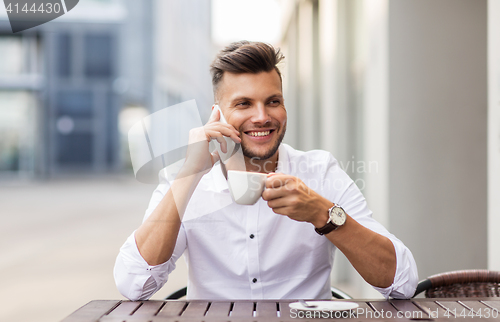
x,y
17,124
12,51
64,53
58,109
82,101
18,104
98,56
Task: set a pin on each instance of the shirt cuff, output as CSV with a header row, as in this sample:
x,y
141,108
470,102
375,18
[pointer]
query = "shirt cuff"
x,y
406,277
134,277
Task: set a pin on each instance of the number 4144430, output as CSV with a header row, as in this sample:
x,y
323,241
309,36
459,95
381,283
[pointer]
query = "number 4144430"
x,y
42,8
478,313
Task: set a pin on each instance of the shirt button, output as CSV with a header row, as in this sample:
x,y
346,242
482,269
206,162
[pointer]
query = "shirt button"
x,y
252,236
254,280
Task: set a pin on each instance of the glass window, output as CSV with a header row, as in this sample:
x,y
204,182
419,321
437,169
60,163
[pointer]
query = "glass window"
x,y
111,129
76,103
12,62
75,148
17,126
64,51
98,56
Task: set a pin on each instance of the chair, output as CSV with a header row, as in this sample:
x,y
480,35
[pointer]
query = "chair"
x,y
466,283
180,293
336,293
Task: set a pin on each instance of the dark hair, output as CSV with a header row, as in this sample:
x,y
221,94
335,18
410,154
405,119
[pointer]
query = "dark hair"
x,y
245,57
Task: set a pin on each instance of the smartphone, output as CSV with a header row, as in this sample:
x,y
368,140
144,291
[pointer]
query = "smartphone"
x,y
229,142
222,118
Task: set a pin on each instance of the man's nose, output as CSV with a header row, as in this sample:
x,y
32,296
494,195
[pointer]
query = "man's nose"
x,y
261,115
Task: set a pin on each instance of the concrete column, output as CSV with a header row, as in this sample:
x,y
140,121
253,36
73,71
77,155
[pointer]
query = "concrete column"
x,y
306,113
493,134
329,99
373,169
291,81
437,131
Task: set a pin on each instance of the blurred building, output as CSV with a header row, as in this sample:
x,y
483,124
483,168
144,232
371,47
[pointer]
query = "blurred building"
x,y
70,88
397,91
58,102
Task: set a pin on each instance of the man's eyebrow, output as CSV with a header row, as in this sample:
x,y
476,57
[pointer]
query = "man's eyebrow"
x,y
277,95
241,98
244,98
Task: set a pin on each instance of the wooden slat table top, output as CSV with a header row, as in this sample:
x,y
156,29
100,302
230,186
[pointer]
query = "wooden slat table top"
x,y
172,308
196,309
125,308
242,309
219,309
149,308
269,309
429,306
92,311
284,308
438,310
364,311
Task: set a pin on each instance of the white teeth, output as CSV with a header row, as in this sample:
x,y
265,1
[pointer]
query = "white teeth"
x,y
259,133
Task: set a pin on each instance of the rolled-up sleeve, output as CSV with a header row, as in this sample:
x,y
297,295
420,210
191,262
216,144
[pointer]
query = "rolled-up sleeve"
x,y
341,189
134,277
406,277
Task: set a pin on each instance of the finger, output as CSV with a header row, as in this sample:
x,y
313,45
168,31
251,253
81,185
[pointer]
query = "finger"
x,y
222,130
215,135
214,117
278,180
278,202
285,211
229,131
215,157
274,193
222,142
227,128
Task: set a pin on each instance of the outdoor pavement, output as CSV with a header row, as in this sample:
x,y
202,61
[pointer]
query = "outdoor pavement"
x,y
59,240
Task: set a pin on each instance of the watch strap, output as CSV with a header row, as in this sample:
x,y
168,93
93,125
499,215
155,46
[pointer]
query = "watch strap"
x,y
329,227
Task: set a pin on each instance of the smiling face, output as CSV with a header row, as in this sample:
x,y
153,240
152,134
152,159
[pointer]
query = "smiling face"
x,y
254,105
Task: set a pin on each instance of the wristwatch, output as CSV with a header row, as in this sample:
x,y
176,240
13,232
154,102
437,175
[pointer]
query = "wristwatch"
x,y
337,218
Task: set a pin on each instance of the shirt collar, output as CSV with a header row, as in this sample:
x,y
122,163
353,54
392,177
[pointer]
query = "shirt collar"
x,y
218,179
283,160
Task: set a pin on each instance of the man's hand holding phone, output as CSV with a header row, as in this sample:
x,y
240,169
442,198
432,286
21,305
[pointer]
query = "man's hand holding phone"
x,y
198,157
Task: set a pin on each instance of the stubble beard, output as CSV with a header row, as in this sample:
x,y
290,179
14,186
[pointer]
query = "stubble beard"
x,y
252,155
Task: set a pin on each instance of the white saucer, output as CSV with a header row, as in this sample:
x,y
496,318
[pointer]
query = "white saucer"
x,y
324,306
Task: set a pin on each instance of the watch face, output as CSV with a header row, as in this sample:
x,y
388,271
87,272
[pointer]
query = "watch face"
x,y
338,216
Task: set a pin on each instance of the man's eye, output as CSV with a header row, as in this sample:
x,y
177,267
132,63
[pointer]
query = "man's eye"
x,y
243,104
275,102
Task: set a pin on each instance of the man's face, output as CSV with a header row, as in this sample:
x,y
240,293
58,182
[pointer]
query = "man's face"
x,y
254,105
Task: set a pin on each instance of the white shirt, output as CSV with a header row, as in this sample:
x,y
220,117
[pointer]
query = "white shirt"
x,y
249,252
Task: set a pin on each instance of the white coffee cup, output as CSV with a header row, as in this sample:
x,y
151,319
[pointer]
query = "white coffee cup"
x,y
246,187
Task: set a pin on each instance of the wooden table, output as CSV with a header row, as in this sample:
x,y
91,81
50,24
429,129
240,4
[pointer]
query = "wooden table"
x,y
460,309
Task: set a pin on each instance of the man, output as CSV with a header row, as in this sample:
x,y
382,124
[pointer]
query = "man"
x,y
284,245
